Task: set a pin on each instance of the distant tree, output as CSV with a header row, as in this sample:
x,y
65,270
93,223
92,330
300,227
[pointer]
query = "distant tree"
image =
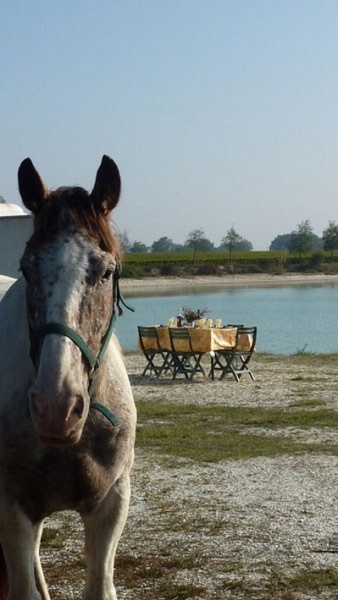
x,y
205,245
179,248
194,239
124,240
330,237
317,242
164,244
245,246
2,200
138,248
234,242
301,240
281,242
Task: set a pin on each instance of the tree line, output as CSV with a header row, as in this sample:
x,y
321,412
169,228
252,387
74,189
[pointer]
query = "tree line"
x,y
299,241
303,239
196,240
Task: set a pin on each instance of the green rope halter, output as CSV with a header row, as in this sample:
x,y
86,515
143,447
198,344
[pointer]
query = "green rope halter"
x,y
93,361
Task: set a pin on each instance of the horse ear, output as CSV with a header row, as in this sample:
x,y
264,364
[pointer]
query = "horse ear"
x,y
107,187
32,189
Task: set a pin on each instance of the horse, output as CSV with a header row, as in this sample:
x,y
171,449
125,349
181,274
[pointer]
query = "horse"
x,y
67,415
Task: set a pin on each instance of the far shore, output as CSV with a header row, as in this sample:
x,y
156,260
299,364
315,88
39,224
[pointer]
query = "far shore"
x,y
163,284
160,285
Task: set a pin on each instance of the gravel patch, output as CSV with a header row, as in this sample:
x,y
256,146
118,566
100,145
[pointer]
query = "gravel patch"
x,y
236,526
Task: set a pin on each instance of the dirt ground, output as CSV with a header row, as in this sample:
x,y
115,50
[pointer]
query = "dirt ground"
x,y
234,529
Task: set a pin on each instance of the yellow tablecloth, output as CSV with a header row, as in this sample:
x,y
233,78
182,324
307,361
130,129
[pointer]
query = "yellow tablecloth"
x,y
203,339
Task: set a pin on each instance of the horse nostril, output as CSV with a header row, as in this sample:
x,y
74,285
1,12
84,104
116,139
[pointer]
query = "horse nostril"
x,y
78,407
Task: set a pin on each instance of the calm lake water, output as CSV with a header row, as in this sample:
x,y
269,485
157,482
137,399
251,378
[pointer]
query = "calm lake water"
x,y
289,319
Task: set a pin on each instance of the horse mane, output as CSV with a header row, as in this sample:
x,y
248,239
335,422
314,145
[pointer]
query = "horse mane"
x,y
71,209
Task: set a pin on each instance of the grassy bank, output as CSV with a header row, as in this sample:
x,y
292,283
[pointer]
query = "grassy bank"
x,y
181,264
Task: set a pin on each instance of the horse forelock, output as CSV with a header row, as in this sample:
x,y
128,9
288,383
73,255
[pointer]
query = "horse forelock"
x,y
71,209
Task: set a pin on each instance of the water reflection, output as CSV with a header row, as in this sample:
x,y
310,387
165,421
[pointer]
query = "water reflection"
x,y
289,318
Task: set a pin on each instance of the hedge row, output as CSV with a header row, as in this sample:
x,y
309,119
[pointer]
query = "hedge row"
x,y
218,263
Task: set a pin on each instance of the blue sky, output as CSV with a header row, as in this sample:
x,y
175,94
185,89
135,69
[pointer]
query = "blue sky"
x,y
219,113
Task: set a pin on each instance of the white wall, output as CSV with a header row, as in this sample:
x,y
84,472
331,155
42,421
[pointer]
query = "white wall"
x,y
14,233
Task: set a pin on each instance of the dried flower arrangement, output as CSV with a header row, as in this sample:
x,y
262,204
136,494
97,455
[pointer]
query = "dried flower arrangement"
x,y
191,315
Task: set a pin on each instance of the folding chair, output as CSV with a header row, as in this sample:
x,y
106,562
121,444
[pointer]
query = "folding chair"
x,y
185,361
235,360
158,360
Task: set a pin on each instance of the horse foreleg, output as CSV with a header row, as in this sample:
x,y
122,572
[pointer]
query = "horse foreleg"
x,y
103,529
40,579
17,536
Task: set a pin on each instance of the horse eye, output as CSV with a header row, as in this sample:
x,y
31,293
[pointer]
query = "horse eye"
x,y
108,274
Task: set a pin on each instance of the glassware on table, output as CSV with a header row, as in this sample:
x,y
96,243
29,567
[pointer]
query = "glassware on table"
x,y
218,323
179,318
171,322
209,322
201,322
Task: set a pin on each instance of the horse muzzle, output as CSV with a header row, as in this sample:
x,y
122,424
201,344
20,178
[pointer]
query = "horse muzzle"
x,y
58,420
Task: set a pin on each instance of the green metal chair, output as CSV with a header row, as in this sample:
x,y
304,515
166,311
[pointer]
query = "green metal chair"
x,y
185,362
158,360
235,361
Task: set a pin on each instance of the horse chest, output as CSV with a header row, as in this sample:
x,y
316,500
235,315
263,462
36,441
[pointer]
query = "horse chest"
x,y
46,479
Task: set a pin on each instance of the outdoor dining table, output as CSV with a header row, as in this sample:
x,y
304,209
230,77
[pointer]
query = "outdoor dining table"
x,y
203,339
179,350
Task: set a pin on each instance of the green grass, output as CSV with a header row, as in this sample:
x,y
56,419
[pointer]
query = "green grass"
x,y
280,586
142,264
54,538
159,572
215,433
155,574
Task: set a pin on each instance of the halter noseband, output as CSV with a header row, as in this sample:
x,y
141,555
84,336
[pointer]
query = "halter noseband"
x,y
93,361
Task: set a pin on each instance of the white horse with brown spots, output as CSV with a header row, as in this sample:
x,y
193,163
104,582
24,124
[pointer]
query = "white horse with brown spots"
x,y
67,416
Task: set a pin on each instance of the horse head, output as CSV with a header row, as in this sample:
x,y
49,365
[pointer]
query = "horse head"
x,y
70,264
